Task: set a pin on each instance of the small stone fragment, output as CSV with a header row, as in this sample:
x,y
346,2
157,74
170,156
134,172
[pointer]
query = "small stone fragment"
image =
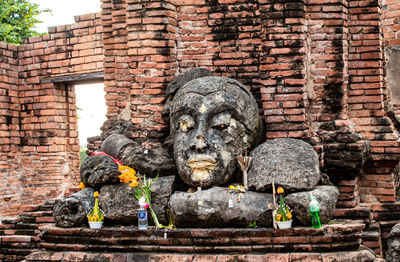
x,y
393,253
99,170
72,211
115,143
148,158
326,197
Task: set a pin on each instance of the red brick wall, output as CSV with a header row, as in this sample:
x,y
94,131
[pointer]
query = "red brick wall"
x,y
258,44
40,148
391,30
310,65
391,22
139,43
391,33
9,128
368,98
315,67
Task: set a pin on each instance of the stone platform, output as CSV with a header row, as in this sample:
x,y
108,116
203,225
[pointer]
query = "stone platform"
x,y
362,255
334,242
329,238
334,237
33,237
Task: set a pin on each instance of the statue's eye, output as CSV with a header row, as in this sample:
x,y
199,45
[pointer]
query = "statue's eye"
x,y
186,123
221,121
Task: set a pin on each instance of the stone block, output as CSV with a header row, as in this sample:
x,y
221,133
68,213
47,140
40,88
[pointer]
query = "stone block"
x,y
120,206
326,197
210,208
290,163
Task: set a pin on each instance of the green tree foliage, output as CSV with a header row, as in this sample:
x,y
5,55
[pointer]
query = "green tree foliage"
x,y
17,17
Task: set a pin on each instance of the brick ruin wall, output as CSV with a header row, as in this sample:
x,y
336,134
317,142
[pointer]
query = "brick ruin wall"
x,y
316,68
39,140
391,29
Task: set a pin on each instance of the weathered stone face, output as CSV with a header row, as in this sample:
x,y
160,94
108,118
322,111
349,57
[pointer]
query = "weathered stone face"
x,y
213,119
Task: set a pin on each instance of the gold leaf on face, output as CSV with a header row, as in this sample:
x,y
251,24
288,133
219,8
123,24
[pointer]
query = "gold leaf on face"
x,y
200,174
202,109
183,125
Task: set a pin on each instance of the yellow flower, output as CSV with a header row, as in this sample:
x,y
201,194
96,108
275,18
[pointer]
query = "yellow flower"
x,y
126,169
289,215
130,172
134,184
96,194
127,174
280,190
232,187
278,217
122,168
81,185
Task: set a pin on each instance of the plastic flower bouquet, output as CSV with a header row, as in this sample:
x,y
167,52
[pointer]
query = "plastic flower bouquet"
x,y
96,217
141,189
283,215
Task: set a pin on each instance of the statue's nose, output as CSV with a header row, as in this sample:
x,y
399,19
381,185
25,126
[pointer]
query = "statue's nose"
x,y
199,142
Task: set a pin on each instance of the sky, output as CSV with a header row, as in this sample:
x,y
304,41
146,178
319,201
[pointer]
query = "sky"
x,y
90,98
63,11
91,111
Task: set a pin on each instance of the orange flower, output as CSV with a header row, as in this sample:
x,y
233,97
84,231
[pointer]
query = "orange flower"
x,y
134,184
289,215
280,190
278,217
122,168
96,194
81,185
127,174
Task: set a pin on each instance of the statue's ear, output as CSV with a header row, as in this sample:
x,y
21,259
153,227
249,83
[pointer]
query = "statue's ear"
x,y
169,141
166,109
258,136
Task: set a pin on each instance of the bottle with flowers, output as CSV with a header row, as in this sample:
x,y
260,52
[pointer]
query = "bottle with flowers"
x,y
141,189
96,217
283,214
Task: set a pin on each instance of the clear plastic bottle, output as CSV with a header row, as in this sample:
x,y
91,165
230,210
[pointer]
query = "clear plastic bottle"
x,y
314,211
142,218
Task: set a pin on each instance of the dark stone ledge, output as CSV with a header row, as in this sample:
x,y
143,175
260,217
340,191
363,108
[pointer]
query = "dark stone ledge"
x,y
343,236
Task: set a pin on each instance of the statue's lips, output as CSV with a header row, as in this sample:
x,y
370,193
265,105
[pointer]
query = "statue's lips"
x,y
202,163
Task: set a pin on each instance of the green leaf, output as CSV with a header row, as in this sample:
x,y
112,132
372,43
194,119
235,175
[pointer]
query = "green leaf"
x,y
17,18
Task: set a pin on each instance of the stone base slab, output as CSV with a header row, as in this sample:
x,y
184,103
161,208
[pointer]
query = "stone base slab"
x,y
330,238
362,255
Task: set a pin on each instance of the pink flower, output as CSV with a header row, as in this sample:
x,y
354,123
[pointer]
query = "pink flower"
x,y
146,205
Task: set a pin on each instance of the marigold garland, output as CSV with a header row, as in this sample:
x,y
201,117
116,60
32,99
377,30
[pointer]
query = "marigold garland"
x,y
128,175
82,186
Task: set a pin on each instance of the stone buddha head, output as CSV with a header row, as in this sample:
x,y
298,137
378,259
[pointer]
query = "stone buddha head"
x,y
213,120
